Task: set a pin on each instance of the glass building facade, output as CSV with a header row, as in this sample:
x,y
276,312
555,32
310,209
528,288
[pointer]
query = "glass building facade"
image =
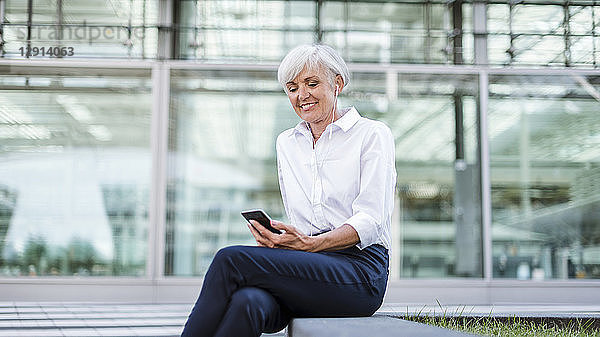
x,y
133,156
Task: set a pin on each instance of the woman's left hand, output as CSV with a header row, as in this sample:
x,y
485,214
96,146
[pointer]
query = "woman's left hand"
x,y
291,238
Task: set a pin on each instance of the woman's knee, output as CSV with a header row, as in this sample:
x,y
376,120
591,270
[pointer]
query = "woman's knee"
x,y
229,254
260,308
251,297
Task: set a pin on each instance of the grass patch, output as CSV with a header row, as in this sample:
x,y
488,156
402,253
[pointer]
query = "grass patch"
x,y
514,326
509,326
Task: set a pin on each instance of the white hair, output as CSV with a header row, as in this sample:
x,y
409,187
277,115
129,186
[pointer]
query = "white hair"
x,y
312,57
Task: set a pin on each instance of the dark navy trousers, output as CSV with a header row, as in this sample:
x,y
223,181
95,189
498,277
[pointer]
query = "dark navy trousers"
x,y
249,290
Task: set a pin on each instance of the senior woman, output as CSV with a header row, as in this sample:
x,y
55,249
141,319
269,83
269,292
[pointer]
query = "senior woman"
x,y
337,177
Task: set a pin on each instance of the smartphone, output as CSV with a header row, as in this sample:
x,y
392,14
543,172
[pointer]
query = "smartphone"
x,y
262,218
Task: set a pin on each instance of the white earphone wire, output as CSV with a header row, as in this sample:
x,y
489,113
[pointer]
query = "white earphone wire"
x,y
320,166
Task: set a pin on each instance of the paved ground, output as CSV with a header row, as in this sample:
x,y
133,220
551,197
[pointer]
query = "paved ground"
x,y
86,319
81,319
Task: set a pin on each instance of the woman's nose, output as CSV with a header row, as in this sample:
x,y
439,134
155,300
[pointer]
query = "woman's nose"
x,y
303,93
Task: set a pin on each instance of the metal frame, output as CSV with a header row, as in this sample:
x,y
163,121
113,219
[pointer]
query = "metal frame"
x,y
486,187
159,147
156,287
2,14
480,33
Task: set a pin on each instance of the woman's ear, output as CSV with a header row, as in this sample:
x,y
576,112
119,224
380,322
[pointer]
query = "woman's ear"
x,y
339,84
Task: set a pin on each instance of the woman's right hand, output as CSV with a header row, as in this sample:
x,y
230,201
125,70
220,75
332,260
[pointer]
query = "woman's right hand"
x,y
257,236
290,238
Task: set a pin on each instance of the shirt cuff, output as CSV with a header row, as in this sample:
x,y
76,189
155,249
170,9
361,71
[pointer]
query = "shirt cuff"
x,y
366,228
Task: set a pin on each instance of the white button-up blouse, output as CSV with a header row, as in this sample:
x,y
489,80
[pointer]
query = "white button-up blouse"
x,y
349,177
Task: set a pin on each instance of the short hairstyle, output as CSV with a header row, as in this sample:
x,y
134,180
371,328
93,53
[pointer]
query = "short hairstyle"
x,y
312,56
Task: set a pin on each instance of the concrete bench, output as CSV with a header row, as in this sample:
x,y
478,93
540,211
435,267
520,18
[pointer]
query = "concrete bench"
x,y
378,325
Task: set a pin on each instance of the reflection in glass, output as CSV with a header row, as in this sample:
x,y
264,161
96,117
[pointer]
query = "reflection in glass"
x,y
74,173
430,237
389,32
222,160
543,34
248,31
545,170
251,31
114,29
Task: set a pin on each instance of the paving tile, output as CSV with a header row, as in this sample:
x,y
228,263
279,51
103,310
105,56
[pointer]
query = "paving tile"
x,y
54,309
68,323
79,332
32,332
115,332
9,316
162,331
106,314
29,323
33,316
9,324
44,332
176,314
61,316
86,315
138,321
27,304
29,309
157,320
169,321
100,322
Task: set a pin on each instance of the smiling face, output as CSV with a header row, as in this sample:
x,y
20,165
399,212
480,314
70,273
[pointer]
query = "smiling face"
x,y
313,96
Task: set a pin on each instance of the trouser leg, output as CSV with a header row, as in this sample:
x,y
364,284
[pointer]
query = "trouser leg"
x,y
221,280
251,311
308,284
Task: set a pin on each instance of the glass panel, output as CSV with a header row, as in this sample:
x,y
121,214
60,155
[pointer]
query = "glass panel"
x,y
389,32
437,226
545,171
530,50
74,171
222,160
498,47
468,52
581,21
236,31
543,34
538,19
581,54
92,28
215,174
497,17
364,15
335,15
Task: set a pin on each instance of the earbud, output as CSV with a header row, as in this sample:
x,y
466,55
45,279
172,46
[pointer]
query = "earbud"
x,y
337,88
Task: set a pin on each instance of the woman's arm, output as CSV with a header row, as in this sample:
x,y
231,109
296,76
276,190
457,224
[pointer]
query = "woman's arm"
x,y
342,237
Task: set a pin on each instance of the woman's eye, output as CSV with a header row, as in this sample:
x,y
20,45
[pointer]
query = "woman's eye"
x,y
312,84
291,89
